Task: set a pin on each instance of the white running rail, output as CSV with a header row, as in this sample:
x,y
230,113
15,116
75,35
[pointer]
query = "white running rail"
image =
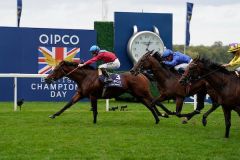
x,y
18,75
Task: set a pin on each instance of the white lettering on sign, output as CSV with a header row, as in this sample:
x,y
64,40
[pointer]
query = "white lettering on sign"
x,y
41,86
57,94
58,89
56,39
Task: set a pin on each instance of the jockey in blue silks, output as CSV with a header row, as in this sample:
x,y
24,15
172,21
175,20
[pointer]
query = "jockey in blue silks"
x,y
177,60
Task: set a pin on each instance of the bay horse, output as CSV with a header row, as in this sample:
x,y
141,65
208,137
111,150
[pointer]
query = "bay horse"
x,y
170,88
89,86
222,81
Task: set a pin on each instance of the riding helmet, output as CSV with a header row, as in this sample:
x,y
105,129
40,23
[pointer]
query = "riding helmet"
x,y
233,47
94,48
166,53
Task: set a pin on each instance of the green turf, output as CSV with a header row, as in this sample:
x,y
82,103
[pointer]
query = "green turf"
x,y
132,134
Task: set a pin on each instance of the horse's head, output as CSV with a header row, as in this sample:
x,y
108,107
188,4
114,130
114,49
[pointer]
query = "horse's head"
x,y
144,63
192,72
61,70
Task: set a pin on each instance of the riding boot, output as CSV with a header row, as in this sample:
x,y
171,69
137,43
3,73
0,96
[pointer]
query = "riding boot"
x,y
107,78
181,71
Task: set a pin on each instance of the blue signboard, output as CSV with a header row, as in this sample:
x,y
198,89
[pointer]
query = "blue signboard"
x,y
123,24
37,51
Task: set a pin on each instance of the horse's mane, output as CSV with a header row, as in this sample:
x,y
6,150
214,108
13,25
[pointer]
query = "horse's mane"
x,y
157,56
75,64
209,64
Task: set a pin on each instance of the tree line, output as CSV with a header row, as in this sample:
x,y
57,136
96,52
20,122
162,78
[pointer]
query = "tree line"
x,y
216,52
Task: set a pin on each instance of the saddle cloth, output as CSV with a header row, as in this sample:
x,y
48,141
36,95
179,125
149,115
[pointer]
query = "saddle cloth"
x,y
115,83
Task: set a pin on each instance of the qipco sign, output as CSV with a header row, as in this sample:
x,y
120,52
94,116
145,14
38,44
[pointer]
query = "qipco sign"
x,y
59,39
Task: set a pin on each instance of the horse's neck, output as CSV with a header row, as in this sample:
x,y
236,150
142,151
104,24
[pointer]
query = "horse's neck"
x,y
162,73
217,80
84,75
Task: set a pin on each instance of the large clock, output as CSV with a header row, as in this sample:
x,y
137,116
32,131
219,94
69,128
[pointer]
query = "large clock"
x,y
142,42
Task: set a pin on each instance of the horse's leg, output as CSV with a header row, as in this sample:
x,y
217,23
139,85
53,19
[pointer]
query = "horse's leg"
x,y
200,106
237,109
227,116
94,108
205,115
147,103
179,104
165,115
200,100
74,99
157,101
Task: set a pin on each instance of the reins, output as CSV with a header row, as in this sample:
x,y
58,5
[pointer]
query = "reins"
x,y
67,74
72,71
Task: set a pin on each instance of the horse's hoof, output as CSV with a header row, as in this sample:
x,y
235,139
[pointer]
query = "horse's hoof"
x,y
197,111
204,121
157,121
165,115
226,136
185,121
173,113
178,115
52,116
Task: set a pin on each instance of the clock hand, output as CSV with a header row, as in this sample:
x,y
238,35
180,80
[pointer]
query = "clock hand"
x,y
148,44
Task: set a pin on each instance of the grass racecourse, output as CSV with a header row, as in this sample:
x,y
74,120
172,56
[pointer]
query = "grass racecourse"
x,y
125,135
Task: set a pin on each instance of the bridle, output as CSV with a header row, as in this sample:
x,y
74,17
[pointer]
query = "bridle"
x,y
65,74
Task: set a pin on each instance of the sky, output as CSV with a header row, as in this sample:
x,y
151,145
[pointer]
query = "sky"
x,y
212,20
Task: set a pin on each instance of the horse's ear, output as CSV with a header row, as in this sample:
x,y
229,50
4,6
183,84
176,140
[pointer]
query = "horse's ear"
x,y
147,53
152,52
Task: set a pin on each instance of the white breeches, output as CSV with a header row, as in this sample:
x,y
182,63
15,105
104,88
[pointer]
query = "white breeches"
x,y
111,65
183,65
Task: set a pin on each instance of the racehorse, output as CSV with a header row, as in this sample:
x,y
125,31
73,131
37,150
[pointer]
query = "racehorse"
x,y
89,86
223,82
170,88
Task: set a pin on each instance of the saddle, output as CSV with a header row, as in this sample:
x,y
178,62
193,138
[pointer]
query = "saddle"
x,y
116,81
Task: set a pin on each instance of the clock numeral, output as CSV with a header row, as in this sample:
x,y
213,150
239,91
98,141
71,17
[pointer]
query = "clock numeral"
x,y
136,42
136,55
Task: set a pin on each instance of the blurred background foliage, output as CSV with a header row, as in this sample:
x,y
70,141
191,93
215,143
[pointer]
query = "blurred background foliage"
x,y
217,52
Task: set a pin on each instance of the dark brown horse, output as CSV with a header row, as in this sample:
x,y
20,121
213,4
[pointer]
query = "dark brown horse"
x,y
223,82
91,87
170,88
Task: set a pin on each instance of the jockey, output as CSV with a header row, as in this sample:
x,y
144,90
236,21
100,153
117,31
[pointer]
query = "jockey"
x,y
235,49
110,61
177,60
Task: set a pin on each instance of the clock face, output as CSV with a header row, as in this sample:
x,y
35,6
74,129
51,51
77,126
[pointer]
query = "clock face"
x,y
143,42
